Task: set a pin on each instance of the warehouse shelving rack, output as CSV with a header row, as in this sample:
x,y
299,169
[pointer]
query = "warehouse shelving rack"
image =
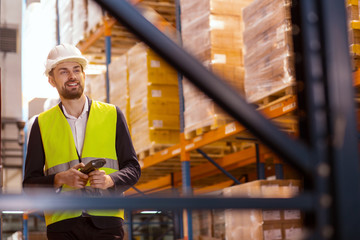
x,y
327,151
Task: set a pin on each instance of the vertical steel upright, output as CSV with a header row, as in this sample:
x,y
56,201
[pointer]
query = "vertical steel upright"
x,y
327,149
108,57
342,136
1,167
130,222
57,23
327,119
25,226
185,157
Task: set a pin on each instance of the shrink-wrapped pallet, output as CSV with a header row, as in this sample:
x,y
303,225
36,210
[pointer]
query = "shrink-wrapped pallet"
x,y
94,15
119,85
258,224
79,21
66,9
268,58
96,87
212,32
154,99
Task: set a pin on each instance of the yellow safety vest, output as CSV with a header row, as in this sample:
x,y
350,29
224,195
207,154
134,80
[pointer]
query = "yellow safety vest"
x,y
60,151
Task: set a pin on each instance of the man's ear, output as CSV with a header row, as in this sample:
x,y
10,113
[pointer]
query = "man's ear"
x,y
51,81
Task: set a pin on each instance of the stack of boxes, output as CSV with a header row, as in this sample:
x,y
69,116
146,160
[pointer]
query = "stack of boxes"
x,y
96,87
212,32
119,85
154,99
264,224
268,59
352,10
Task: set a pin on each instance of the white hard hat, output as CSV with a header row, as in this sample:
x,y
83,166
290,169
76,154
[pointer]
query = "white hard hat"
x,y
64,53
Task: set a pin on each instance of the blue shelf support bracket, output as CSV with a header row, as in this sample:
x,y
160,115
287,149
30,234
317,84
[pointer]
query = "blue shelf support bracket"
x,y
229,175
108,58
130,224
279,171
187,191
25,226
260,165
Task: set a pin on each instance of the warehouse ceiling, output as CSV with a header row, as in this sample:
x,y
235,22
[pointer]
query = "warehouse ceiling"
x,y
159,12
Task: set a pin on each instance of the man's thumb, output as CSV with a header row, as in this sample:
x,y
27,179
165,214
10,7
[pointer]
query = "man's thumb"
x,y
79,165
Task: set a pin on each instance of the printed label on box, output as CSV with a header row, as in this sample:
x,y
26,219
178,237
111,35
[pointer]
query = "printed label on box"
x,y
272,234
292,214
154,64
158,123
271,215
216,24
156,93
219,58
231,127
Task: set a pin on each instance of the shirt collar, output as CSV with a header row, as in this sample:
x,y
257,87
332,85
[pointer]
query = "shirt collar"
x,y
85,110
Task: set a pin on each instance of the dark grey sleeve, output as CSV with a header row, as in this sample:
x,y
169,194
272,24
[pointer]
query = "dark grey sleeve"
x,y
35,161
130,170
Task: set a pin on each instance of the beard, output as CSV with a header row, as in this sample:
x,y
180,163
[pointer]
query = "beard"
x,y
74,93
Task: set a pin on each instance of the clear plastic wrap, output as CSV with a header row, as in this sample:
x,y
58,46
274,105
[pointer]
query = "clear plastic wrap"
x,y
97,87
154,99
263,224
212,32
268,57
119,85
94,15
66,9
79,21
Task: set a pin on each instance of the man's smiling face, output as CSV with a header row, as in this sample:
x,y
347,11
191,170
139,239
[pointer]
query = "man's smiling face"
x,y
69,80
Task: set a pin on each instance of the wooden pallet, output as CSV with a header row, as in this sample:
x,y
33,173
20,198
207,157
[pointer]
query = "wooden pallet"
x,y
150,150
275,97
207,126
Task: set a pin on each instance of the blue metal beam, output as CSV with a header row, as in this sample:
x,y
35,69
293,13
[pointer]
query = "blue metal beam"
x,y
108,61
42,201
343,154
260,166
218,166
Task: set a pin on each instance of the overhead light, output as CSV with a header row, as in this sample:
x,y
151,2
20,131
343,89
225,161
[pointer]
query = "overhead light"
x,y
13,212
150,212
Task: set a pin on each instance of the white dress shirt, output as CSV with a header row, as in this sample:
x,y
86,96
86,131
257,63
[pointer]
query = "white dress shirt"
x,y
78,126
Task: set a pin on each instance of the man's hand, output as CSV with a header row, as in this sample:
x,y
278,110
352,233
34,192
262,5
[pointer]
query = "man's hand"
x,y
98,179
72,177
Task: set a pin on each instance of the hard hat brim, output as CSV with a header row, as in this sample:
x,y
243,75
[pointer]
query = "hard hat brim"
x,y
78,59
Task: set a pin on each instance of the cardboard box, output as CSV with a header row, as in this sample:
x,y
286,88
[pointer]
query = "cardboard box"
x,y
154,99
264,224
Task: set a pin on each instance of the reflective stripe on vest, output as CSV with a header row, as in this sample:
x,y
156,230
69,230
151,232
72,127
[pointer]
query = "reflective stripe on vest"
x,y
60,150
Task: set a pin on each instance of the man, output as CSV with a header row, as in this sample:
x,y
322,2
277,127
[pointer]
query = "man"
x,y
66,137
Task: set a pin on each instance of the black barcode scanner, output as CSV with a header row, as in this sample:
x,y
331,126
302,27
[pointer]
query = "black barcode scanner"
x,y
93,165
